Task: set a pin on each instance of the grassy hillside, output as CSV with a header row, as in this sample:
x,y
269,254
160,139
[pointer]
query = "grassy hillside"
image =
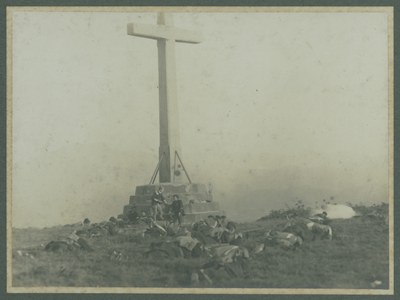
x,y
355,257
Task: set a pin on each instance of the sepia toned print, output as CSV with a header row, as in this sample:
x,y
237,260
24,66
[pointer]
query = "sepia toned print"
x,y
200,150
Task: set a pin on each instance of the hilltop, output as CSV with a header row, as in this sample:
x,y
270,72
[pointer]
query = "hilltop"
x,y
357,257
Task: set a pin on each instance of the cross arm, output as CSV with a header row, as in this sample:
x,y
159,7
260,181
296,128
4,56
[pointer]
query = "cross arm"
x,y
164,32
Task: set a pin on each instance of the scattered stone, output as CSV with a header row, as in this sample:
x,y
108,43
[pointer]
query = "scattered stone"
x,y
376,283
118,256
259,248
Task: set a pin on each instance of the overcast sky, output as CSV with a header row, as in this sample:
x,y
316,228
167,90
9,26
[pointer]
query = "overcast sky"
x,y
273,107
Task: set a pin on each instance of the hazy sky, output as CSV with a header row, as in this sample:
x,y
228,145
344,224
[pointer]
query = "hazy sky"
x,y
273,107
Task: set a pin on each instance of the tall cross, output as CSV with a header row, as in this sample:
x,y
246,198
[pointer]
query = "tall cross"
x,y
170,164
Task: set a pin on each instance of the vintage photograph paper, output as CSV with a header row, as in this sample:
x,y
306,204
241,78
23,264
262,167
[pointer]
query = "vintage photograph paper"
x,y
200,150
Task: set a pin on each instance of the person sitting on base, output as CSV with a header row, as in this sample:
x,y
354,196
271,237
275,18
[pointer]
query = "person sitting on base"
x,y
156,200
177,210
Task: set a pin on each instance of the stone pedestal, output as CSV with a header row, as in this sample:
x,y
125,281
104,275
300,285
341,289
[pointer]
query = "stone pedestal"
x,y
197,200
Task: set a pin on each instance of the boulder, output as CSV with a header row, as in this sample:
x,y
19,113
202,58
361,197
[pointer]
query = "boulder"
x,y
336,211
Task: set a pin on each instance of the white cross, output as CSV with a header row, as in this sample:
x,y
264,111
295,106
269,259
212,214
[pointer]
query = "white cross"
x,y
166,36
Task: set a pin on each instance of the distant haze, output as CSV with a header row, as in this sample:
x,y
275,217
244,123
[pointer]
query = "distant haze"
x,y
274,107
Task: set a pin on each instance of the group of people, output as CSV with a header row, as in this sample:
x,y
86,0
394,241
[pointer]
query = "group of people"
x,y
175,208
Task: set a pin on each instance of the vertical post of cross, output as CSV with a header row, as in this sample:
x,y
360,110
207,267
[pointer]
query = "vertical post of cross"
x,y
166,35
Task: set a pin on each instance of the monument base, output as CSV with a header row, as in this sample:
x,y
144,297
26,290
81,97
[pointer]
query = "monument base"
x,y
196,198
